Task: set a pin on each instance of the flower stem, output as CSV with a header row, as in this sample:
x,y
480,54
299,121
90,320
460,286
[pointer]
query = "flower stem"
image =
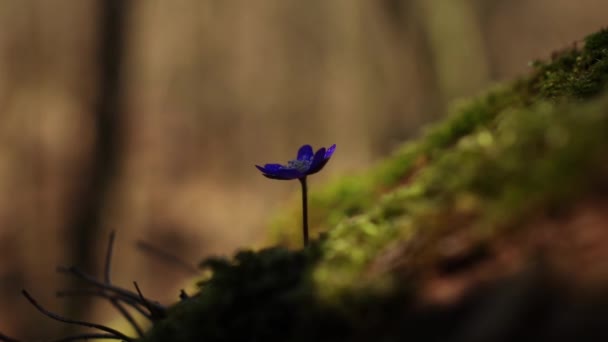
x,y
304,210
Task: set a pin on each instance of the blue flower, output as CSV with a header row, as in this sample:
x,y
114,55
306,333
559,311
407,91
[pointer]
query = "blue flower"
x,y
305,164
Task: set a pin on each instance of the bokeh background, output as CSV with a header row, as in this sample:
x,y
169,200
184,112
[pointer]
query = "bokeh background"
x,y
149,121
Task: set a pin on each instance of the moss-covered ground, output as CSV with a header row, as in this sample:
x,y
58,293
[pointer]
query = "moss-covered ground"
x,y
498,167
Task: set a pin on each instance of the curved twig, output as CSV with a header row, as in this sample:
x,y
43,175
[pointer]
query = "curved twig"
x,y
108,265
116,302
121,292
127,315
156,315
99,293
117,334
108,281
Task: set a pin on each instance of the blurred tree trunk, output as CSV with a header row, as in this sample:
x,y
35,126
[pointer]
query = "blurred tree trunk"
x,y
456,41
85,225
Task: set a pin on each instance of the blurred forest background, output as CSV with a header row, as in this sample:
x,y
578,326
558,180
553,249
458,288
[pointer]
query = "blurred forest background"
x,y
149,121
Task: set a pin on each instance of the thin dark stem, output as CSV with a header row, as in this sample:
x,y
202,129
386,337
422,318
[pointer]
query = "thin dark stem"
x,y
304,210
99,293
154,313
117,334
141,296
119,291
108,266
107,274
79,274
127,315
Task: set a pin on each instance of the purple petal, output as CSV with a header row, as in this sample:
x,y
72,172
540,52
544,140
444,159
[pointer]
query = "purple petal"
x,y
278,171
330,151
269,168
273,167
260,168
318,161
285,174
305,152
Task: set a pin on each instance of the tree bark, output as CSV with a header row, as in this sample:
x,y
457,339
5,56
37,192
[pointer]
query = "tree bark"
x,y
86,222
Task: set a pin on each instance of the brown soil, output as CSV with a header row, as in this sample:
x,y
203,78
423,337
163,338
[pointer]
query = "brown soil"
x,y
573,245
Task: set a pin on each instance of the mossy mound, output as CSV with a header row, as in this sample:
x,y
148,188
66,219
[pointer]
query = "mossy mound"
x,y
466,204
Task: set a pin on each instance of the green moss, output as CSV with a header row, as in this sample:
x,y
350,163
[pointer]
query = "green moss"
x,y
527,147
533,158
260,296
230,303
573,73
356,194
